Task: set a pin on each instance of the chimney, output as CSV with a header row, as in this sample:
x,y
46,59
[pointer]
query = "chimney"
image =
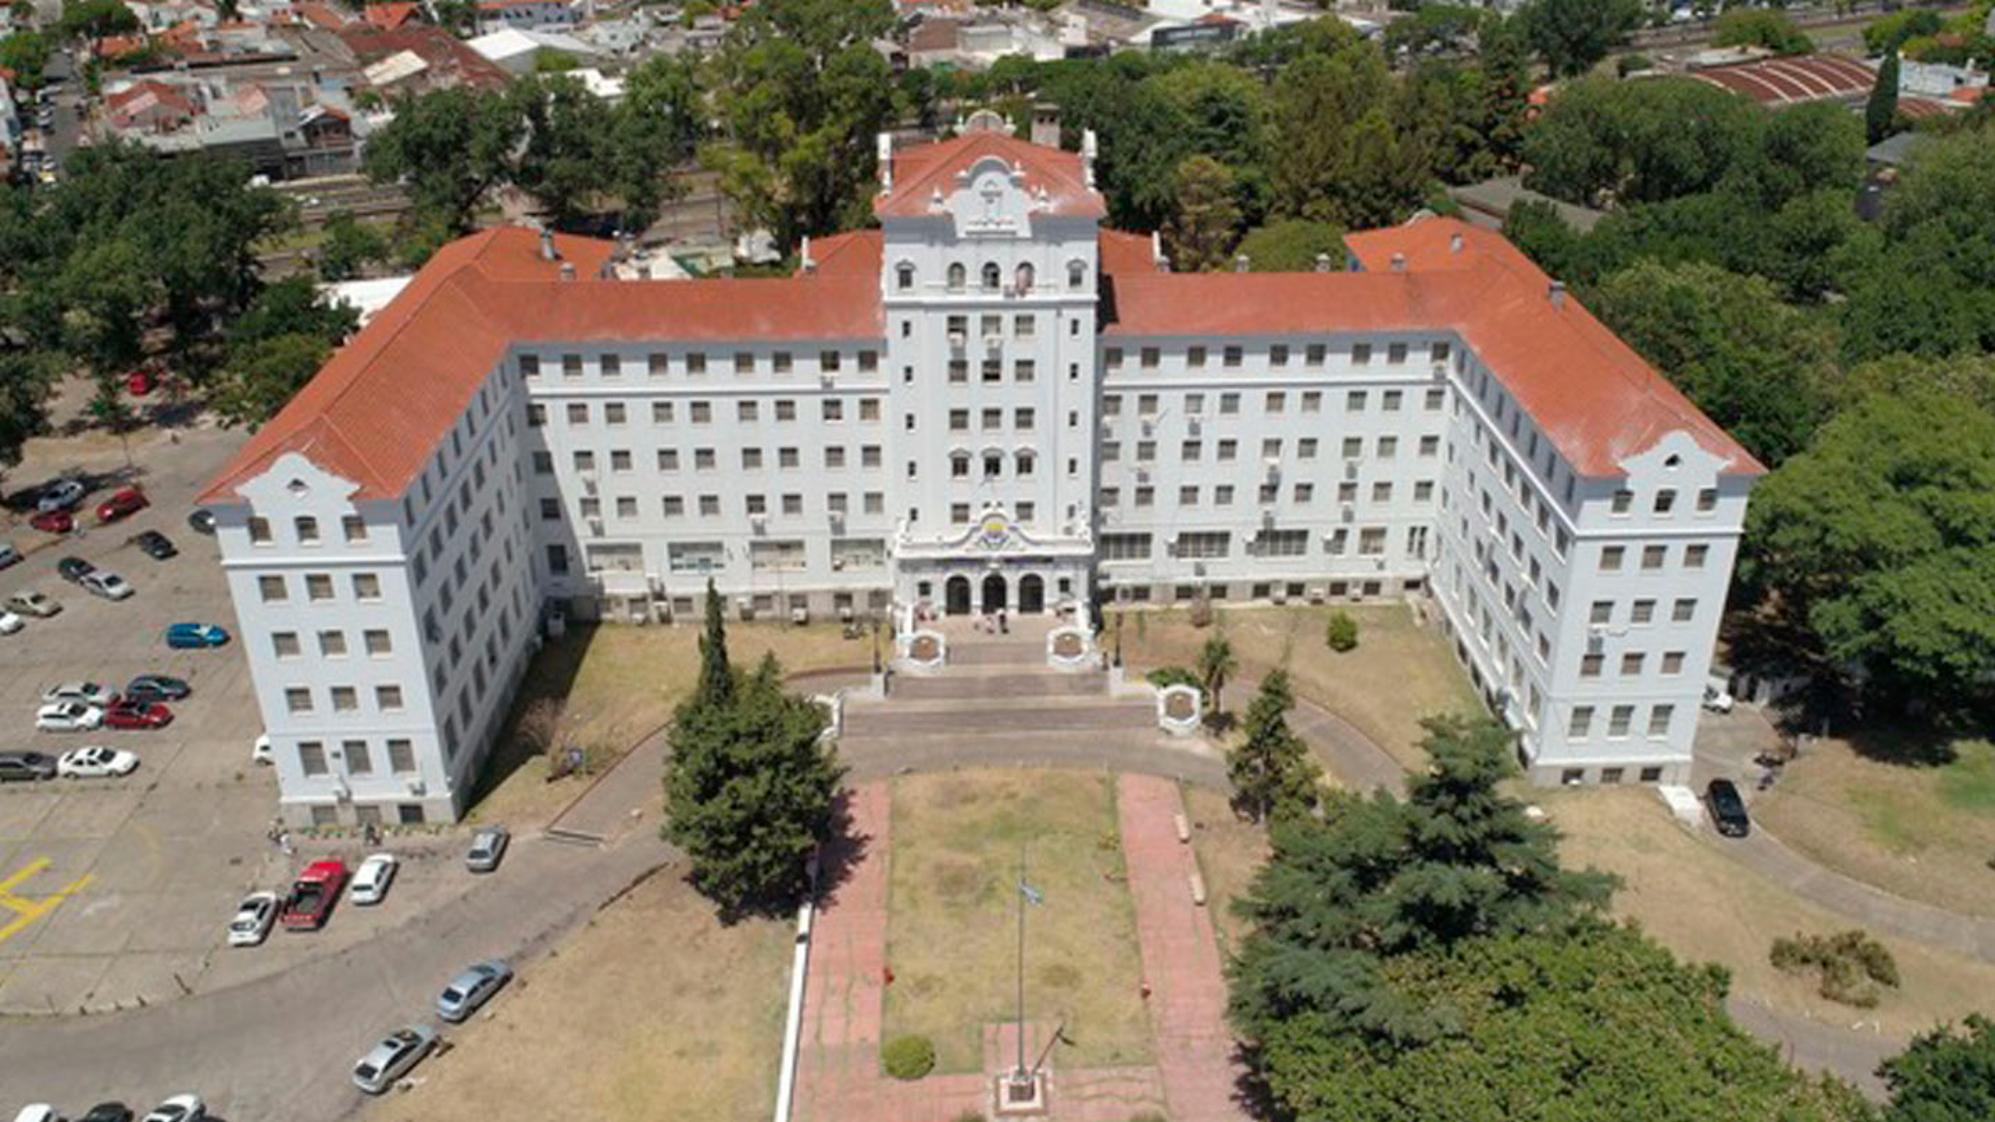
x,y
885,156
1323,263
1241,263
805,260
1556,292
547,250
1399,262
1088,152
567,270
1455,243
1157,257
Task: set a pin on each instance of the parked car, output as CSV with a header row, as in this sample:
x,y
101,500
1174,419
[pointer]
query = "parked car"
x,y
179,1108
201,520
1718,696
68,716
107,1112
122,504
38,1112
129,714
96,762
190,636
471,989
372,878
28,602
10,623
53,522
488,847
259,752
253,918
74,569
393,1057
107,584
26,766
1728,809
157,687
312,895
9,556
155,545
89,693
63,494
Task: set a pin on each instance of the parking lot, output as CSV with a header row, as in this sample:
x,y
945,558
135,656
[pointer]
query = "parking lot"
x,y
117,891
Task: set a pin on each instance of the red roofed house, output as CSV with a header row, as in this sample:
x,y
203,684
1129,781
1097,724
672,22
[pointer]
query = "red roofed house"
x,y
989,403
150,106
389,16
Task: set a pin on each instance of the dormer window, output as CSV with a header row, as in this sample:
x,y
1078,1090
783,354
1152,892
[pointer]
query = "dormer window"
x,y
993,276
957,275
904,276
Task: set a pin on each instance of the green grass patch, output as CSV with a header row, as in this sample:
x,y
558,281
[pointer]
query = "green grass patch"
x,y
1968,783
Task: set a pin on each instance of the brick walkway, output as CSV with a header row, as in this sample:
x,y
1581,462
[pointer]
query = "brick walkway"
x,y
1180,956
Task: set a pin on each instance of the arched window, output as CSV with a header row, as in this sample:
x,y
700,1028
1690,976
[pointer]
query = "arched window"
x,y
1077,274
993,464
1025,463
959,465
956,274
1022,276
904,276
993,276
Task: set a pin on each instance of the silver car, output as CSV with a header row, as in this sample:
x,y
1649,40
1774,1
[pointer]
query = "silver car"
x,y
471,989
392,1058
488,847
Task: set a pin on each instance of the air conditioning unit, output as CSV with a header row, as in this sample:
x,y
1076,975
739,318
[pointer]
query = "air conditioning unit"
x,y
838,564
1271,468
1198,568
1193,424
417,788
1596,643
838,520
1142,475
1149,426
1351,469
845,614
1316,594
826,378
957,341
1347,511
1278,597
799,616
588,477
993,344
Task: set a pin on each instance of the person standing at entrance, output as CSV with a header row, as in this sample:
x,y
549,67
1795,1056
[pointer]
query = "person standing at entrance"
x,y
1004,625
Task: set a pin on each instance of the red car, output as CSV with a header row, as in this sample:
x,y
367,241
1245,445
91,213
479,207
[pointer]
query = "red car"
x,y
53,521
129,714
312,895
139,383
128,501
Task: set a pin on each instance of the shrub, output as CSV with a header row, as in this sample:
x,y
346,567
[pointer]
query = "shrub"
x,y
1853,966
1342,633
1166,676
908,1057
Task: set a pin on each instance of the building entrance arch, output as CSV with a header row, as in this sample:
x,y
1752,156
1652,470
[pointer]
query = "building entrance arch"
x,y
994,594
956,596
1031,594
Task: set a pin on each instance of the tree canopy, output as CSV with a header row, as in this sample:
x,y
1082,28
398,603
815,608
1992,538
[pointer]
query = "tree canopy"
x,y
1946,1075
1572,35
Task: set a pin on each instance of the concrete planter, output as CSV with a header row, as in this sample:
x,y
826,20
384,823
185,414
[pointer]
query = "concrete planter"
x,y
1179,709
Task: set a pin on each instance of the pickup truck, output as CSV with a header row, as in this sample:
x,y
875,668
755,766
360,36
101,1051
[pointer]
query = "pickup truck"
x,y
312,895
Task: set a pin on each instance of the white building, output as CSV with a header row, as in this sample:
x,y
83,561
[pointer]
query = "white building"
x,y
991,401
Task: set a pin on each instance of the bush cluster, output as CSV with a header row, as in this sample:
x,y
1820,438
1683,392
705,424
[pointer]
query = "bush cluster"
x,y
908,1057
1342,632
1853,966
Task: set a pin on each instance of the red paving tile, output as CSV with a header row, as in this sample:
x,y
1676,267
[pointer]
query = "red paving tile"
x,y
1180,956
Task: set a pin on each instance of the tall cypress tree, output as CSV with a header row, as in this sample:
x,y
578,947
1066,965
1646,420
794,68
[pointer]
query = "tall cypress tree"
x,y
1882,108
716,686
1271,770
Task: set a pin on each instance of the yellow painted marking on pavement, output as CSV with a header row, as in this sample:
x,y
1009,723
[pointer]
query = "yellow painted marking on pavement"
x,y
28,909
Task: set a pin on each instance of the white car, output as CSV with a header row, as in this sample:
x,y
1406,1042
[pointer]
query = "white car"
x,y
96,762
89,693
1717,696
10,623
371,880
179,1108
68,716
63,494
38,1112
259,752
107,584
254,916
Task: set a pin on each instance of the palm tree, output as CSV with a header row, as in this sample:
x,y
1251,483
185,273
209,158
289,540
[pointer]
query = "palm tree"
x,y
1215,664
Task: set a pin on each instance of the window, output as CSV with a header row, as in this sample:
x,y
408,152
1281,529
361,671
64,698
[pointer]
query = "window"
x,y
1355,401
271,589
1210,544
1602,612
578,413
1694,555
1188,495
1390,400
308,530
993,277
1672,662
297,699
701,412
1622,501
956,274
1665,501
284,644
318,586
332,644
357,761
1631,663
388,699
1652,557
344,699
1361,354
259,531
1371,541
1611,557
1580,725
659,365
1276,401
1707,500
904,276
353,528
1589,665
1659,718
1125,547
378,643
1644,612
1618,720
661,412
1077,274
529,366
311,756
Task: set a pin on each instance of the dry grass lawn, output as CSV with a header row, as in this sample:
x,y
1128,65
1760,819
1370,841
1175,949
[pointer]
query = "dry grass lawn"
x,y
1925,832
1230,851
654,1011
1708,908
617,684
1399,673
953,914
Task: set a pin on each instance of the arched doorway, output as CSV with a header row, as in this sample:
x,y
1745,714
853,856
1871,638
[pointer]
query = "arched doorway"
x,y
956,596
1031,594
994,593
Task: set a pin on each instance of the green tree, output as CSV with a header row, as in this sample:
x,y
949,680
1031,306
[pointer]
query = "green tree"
x,y
260,376
1504,92
749,786
1336,156
568,134
1946,1075
292,307
1572,35
1207,218
656,129
1879,543
1760,368
1880,112
26,54
1270,768
1292,245
96,18
1606,141
1216,663
1761,27
25,378
447,148
350,246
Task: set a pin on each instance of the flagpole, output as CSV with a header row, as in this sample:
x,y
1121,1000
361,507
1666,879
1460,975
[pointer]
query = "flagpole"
x,y
1021,960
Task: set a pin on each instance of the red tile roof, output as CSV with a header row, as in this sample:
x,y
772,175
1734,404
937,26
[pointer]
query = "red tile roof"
x,y
388,16
374,412
1593,396
1785,81
923,169
1125,253
451,60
